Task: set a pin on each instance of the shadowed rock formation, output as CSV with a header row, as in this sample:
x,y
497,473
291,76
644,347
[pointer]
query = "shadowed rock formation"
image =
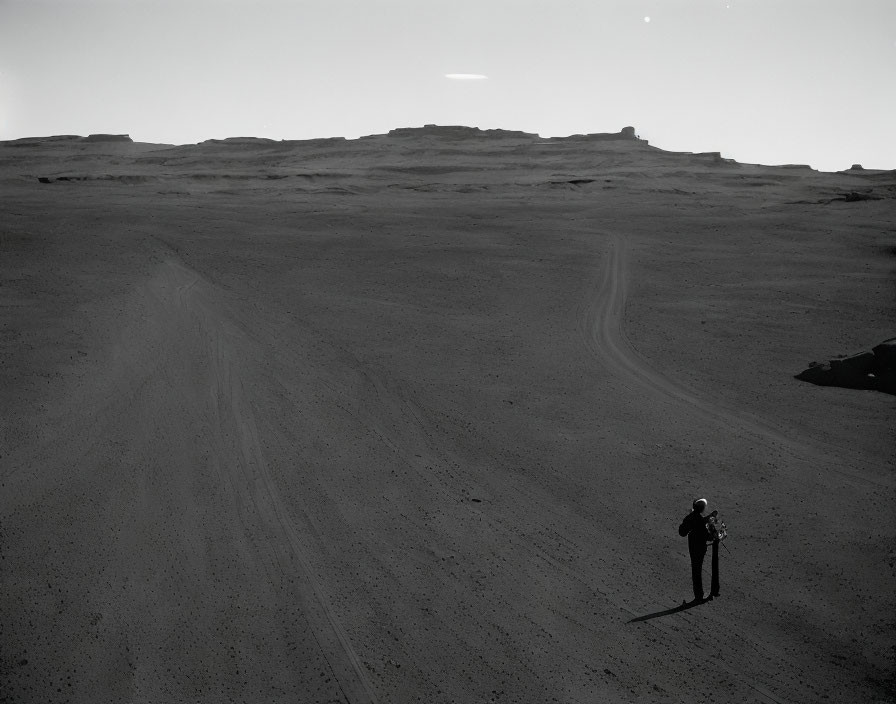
x,y
875,370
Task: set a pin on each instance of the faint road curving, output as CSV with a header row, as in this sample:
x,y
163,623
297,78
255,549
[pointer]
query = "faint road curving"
x,y
605,336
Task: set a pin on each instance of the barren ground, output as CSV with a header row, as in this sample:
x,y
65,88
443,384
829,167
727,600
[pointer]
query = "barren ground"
x,y
416,418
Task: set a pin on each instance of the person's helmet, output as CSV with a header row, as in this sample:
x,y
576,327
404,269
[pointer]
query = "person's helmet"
x,y
700,504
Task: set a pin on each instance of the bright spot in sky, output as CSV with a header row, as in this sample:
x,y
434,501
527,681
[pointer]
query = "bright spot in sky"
x,y
466,76
647,19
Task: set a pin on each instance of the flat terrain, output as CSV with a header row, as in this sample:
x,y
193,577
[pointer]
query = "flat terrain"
x,y
415,418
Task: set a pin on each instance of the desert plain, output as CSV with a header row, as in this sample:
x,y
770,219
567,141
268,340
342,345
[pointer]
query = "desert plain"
x,y
415,418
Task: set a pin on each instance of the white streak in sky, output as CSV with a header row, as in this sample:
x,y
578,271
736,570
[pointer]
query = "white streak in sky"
x,y
466,76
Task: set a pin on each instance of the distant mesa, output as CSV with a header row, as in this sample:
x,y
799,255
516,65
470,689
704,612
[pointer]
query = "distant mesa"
x,y
626,133
456,132
241,140
54,138
39,141
448,132
107,138
463,132
267,142
317,141
856,167
874,370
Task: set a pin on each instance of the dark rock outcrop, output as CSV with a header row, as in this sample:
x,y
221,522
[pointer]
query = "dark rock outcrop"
x,y
886,352
875,370
855,197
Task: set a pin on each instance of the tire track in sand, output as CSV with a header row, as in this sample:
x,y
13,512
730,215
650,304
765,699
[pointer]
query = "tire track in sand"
x,y
605,336
233,416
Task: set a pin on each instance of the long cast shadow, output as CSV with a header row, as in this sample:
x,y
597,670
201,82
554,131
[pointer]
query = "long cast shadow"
x,y
668,612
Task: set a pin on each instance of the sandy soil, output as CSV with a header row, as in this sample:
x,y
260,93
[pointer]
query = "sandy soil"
x,y
415,418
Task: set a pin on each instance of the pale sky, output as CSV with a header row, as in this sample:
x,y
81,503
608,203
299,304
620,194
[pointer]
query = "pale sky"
x,y
762,81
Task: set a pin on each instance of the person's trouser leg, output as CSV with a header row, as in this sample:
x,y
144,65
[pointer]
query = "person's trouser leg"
x,y
697,572
714,587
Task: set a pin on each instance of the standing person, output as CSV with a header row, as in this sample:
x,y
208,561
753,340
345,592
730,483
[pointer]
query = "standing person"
x,y
694,526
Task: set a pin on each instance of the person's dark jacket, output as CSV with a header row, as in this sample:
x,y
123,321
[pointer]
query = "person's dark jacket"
x,y
694,526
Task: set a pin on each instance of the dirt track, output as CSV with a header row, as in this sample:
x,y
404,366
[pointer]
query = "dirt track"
x,y
417,419
606,335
